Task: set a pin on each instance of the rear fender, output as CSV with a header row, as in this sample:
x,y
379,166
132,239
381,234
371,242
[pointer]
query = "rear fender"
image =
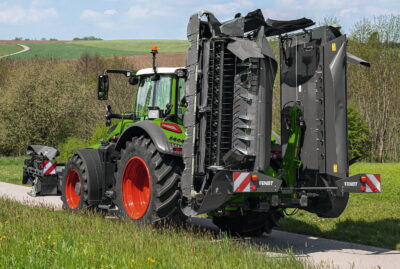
x,y
149,128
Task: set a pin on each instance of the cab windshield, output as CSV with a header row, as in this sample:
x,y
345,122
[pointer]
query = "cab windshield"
x,y
153,94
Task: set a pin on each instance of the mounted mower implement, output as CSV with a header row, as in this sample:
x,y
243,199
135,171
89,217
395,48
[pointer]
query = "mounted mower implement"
x,y
200,139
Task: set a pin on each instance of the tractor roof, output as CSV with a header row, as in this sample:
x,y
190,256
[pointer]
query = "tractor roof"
x,y
160,70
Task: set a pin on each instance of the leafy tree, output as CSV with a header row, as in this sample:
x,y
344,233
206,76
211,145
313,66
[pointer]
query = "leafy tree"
x,y
329,21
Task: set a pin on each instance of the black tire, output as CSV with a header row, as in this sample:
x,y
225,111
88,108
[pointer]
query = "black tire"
x,y
164,172
250,223
75,167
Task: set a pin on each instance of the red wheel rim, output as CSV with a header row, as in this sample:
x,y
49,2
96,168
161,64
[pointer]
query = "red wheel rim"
x,y
71,196
136,188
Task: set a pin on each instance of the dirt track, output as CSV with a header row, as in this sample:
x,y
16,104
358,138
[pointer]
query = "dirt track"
x,y
24,49
329,253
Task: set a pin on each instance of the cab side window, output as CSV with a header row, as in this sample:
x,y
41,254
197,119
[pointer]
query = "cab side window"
x,y
181,97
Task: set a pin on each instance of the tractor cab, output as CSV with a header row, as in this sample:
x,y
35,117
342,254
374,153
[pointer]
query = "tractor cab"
x,y
160,98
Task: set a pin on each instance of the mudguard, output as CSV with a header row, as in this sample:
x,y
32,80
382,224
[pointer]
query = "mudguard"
x,y
95,169
151,129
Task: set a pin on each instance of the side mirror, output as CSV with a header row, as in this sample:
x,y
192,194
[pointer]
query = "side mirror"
x,y
102,87
133,80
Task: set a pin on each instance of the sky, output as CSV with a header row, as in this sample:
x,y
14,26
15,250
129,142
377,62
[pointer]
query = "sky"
x,y
162,19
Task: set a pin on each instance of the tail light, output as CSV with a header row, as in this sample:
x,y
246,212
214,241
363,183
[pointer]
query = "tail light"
x,y
363,179
253,187
254,177
362,188
171,127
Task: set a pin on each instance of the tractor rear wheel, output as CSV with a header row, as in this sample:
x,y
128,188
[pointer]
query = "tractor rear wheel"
x,y
147,183
74,190
250,223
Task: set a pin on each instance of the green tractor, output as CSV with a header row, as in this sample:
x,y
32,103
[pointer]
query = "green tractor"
x,y
200,140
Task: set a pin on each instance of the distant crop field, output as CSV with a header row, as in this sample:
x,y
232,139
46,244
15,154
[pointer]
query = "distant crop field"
x,y
107,48
8,49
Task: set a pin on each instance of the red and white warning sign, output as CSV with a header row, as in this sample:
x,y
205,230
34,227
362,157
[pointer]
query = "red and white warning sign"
x,y
49,168
241,182
373,183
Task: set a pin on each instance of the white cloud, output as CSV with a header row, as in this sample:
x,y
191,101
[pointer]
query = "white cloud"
x,y
138,12
90,15
347,12
110,12
18,14
99,19
231,7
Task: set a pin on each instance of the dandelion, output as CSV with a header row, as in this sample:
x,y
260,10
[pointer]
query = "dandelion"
x,y
151,260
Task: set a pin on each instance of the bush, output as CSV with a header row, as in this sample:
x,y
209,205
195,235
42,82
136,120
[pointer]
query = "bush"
x,y
359,134
71,143
46,102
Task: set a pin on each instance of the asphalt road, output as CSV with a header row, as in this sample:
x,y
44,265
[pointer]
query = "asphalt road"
x,y
320,251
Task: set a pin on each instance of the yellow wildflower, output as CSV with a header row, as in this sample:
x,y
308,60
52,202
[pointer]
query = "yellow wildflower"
x,y
149,259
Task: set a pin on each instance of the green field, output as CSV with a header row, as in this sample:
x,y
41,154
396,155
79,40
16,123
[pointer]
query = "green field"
x,y
372,219
74,49
8,49
42,238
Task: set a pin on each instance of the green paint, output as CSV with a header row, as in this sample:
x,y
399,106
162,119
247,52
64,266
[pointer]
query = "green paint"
x,y
291,162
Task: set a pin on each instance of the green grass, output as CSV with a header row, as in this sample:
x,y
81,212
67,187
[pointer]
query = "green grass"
x,y
74,49
8,49
11,169
371,219
42,238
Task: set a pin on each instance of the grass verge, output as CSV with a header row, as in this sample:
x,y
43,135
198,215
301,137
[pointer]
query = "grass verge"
x,y
107,48
41,238
371,219
11,169
8,49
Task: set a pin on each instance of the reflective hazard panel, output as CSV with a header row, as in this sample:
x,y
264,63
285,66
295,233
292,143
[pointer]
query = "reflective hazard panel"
x,y
49,168
241,182
373,183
